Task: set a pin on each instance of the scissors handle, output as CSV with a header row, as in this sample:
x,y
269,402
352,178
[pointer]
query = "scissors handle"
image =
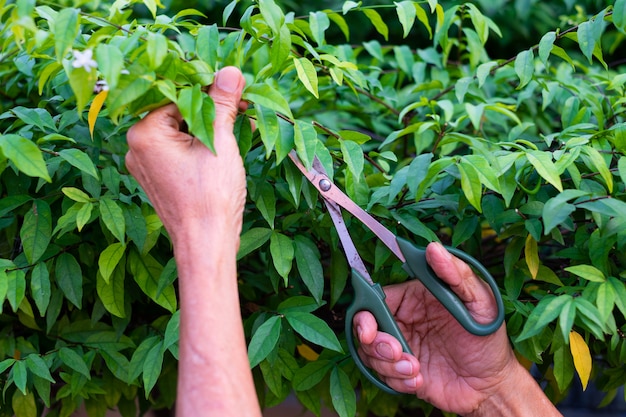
x,y
417,267
371,298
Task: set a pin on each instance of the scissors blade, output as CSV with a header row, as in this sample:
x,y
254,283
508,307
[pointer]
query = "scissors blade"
x,y
320,180
354,259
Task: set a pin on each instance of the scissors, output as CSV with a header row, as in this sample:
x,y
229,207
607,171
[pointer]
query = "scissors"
x,y
369,295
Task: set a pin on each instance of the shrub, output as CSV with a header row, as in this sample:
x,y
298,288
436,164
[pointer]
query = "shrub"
x,y
518,161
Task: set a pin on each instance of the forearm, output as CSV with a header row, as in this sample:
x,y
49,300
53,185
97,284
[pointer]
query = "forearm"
x,y
214,375
518,396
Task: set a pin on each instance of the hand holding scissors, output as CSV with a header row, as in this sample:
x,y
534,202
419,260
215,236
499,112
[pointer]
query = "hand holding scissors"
x,y
369,296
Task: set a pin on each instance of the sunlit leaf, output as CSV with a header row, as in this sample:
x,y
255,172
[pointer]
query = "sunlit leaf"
x,y
25,155
198,110
267,96
152,367
307,74
65,31
378,22
588,272
544,165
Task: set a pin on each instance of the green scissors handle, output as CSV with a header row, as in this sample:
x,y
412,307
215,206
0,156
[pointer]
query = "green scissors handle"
x,y
417,267
371,298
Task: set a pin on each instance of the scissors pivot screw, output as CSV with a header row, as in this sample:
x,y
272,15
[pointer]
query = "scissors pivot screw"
x,y
325,184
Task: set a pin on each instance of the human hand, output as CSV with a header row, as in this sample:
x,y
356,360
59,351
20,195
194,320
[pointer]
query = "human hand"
x,y
190,186
452,369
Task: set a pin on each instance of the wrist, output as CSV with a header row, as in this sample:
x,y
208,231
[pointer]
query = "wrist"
x,y
518,395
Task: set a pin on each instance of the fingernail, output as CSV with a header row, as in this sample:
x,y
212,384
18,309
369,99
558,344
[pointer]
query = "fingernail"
x,y
404,367
384,350
411,382
226,82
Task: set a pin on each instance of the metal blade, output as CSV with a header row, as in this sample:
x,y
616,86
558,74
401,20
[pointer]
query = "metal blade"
x,y
318,177
354,259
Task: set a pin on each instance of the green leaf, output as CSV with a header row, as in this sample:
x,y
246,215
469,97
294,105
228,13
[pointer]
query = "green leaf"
x,y
146,272
110,63
319,22
80,160
548,309
597,161
171,336
545,46
586,40
353,157
25,155
313,329
282,251
65,31
269,128
378,22
157,49
113,218
20,375
264,340
557,209
111,291
117,363
69,278
605,300
342,393
307,74
305,139
310,374
109,258
16,287
470,184
524,67
38,366
36,230
24,404
77,195
74,361
588,272
407,12
207,43
619,15
542,161
266,202
135,367
152,367
267,96
309,265
40,287
198,111
253,239
272,14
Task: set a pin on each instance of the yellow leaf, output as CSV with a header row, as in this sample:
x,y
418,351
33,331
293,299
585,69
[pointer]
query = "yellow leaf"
x,y
307,353
532,256
582,357
94,110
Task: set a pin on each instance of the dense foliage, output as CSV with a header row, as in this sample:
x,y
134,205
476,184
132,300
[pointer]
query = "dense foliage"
x,y
519,160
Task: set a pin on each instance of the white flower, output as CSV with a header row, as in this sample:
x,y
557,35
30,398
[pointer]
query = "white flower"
x,y
84,59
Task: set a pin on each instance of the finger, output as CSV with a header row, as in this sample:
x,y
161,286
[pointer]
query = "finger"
x,y
226,94
165,120
473,291
375,344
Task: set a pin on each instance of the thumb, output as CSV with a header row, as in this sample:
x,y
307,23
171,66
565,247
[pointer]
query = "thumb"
x,y
226,94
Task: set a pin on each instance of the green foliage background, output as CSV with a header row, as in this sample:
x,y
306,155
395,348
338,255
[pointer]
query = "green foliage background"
x,y
494,126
